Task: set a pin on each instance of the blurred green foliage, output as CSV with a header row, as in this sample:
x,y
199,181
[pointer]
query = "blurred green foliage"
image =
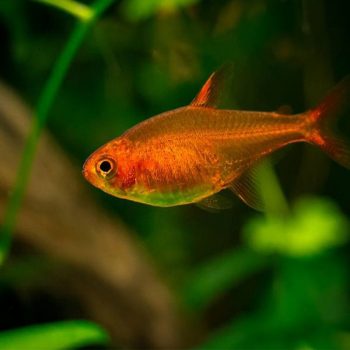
x,y
314,226
56,336
283,282
302,299
302,308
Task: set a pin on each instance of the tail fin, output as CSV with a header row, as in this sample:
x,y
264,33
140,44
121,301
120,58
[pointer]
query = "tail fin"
x,y
322,119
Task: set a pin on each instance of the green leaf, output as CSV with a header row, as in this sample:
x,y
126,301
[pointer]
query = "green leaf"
x,y
76,9
315,226
220,274
54,336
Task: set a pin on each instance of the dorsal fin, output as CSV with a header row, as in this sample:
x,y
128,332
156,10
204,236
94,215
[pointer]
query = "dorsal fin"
x,y
213,89
247,188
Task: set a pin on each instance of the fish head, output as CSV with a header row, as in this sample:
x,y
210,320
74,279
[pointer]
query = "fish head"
x,y
110,168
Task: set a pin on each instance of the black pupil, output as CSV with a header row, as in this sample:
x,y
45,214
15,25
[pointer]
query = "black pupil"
x,y
105,166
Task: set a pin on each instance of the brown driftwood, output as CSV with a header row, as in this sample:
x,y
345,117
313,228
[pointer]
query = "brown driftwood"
x,y
106,269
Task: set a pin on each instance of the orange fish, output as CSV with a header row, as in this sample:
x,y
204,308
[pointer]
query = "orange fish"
x,y
189,154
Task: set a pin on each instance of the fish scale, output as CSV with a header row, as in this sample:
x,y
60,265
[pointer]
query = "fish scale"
x,y
189,154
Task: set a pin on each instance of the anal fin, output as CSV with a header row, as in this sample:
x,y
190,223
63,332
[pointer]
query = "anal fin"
x,y
215,203
247,188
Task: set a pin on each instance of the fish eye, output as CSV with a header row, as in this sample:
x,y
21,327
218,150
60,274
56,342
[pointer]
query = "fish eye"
x,y
106,167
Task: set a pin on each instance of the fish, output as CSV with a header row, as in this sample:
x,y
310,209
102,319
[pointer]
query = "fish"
x,y
189,154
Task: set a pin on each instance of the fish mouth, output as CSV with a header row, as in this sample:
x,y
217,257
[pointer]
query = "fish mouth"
x,y
85,172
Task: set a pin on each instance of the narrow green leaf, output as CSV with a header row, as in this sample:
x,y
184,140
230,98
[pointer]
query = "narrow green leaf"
x,y
54,336
76,9
45,102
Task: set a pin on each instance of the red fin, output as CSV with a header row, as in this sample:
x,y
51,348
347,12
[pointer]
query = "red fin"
x,y
322,118
338,149
211,92
246,187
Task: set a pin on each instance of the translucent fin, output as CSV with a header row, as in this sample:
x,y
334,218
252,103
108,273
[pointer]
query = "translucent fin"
x,y
322,118
212,91
337,148
215,203
246,187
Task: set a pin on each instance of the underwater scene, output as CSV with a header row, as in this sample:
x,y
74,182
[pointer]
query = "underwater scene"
x,y
175,174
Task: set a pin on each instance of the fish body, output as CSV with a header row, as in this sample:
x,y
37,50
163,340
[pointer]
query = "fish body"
x,y
189,154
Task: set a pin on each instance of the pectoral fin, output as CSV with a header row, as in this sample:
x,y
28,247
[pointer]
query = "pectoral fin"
x,y
247,188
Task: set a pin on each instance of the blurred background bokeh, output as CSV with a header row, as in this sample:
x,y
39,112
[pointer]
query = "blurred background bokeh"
x,y
89,270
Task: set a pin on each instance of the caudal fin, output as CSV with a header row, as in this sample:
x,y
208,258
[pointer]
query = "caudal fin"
x,y
322,119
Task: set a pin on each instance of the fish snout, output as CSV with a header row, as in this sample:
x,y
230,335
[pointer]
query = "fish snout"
x,y
86,170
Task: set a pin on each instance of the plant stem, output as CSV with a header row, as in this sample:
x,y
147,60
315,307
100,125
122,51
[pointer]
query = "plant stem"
x,y
274,200
45,102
